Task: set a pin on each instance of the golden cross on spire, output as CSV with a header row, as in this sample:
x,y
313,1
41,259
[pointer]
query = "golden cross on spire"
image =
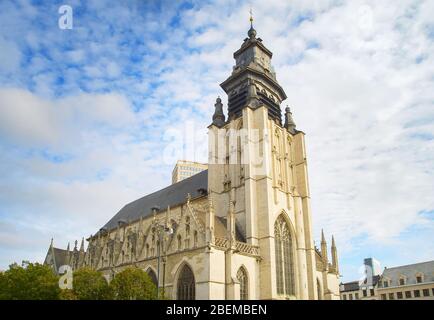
x,y
251,16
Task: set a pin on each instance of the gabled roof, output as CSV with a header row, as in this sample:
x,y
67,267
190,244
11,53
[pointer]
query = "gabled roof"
x,y
172,195
409,272
56,257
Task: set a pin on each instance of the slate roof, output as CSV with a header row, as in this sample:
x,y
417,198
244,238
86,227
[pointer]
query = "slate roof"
x,y
350,286
410,271
58,257
172,195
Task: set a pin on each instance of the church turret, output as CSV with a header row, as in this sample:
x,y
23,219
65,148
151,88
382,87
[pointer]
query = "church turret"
x,y
334,256
82,245
218,118
289,122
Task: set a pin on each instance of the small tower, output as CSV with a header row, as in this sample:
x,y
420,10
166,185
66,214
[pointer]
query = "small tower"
x,y
218,118
334,256
324,250
289,122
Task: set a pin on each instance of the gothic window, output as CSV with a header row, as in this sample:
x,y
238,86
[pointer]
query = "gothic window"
x,y
195,239
152,275
318,288
284,258
186,285
244,283
179,242
147,250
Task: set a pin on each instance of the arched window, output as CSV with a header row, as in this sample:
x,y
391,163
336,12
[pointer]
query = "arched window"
x,y
195,239
179,242
284,258
244,283
318,288
186,286
147,251
153,276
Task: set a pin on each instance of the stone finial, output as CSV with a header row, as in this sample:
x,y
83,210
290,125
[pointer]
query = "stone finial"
x,y
335,262
52,242
75,245
82,244
323,240
218,119
289,122
67,248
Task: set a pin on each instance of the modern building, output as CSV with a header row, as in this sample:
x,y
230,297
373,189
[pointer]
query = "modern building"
x,y
185,169
242,229
414,281
366,288
360,290
409,282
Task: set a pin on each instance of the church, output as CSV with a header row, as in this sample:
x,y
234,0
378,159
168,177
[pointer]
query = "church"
x,y
242,229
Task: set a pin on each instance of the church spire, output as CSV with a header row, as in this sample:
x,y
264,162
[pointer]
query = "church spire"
x,y
253,82
252,32
218,119
324,249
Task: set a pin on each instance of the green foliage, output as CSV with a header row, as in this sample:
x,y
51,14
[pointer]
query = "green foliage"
x,y
67,294
31,281
133,284
89,284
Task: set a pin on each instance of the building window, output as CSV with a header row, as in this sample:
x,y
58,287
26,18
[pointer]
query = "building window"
x,y
408,294
195,239
357,296
344,297
186,289
385,284
401,281
399,295
432,291
179,242
365,293
426,292
391,296
372,292
244,284
284,258
383,296
416,293
350,296
419,279
153,276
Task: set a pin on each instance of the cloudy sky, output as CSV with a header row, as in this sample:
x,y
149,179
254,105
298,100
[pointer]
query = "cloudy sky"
x,y
86,114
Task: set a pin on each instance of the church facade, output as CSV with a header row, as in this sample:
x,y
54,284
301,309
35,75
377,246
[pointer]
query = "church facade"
x,y
241,229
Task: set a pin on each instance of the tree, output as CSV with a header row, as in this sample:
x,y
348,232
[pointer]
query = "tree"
x,y
30,281
89,284
133,284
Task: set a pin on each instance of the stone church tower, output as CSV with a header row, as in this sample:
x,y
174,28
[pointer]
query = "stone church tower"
x,y
241,229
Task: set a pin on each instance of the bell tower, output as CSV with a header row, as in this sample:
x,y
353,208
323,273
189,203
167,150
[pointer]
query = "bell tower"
x,y
258,170
253,80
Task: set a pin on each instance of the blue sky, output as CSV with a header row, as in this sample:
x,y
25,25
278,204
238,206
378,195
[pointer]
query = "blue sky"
x,y
85,113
